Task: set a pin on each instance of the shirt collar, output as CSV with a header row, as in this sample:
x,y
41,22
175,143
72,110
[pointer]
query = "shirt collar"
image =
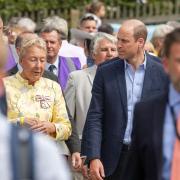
x,y
56,63
143,65
25,81
174,96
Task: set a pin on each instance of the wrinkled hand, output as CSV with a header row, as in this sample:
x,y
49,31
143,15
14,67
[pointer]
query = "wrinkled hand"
x,y
85,171
44,127
76,160
29,122
96,170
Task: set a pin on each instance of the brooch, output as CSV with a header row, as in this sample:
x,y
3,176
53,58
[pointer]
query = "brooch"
x,y
44,101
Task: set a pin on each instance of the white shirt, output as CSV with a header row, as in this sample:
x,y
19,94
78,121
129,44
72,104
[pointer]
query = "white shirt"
x,y
56,64
48,164
70,50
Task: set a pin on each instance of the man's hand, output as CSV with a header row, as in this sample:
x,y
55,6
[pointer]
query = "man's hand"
x,y
96,170
85,171
76,160
44,127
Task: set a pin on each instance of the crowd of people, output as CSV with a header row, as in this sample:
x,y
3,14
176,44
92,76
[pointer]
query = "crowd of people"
x,y
95,106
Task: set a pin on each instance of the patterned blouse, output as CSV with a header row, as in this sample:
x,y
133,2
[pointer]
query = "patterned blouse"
x,y
44,101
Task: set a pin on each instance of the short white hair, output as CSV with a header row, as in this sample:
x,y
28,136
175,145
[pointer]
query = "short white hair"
x,y
160,32
100,36
27,24
57,23
27,43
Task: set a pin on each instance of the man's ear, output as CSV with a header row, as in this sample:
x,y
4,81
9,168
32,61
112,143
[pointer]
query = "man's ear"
x,y
20,61
141,42
165,62
18,51
93,55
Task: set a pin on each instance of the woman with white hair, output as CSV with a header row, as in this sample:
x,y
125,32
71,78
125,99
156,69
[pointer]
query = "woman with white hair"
x,y
35,101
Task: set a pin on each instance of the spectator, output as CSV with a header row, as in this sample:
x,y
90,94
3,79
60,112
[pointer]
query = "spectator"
x,y
107,28
88,24
78,90
67,49
26,23
174,24
12,31
18,44
158,37
155,139
45,149
97,10
28,103
59,65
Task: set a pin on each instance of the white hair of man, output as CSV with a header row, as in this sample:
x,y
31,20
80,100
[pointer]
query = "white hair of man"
x,y
57,23
27,43
160,32
27,24
100,36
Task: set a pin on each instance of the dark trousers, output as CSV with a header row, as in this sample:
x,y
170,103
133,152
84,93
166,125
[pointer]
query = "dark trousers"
x,y
121,172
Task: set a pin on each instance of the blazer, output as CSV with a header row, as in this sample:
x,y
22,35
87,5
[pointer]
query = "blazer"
x,y
107,115
78,95
147,139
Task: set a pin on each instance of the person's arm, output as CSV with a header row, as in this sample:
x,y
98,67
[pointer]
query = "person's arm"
x,y
69,95
73,143
59,115
92,133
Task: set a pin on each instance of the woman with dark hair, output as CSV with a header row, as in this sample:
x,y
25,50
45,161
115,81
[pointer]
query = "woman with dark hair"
x,y
97,10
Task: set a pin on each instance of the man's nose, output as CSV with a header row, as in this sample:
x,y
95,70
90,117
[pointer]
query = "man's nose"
x,y
119,44
48,44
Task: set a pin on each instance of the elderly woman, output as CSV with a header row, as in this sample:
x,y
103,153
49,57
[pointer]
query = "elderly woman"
x,y
35,101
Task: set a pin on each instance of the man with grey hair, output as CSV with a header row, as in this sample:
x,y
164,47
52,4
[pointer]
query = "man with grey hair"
x,y
27,23
61,66
158,37
79,85
67,49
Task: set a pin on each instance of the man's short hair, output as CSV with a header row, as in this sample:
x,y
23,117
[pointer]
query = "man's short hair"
x,y
160,32
87,18
140,31
48,29
170,39
38,42
59,24
27,24
106,28
100,36
20,38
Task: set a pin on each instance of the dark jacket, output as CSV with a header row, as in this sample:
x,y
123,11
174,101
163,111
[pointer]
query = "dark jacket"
x,y
107,116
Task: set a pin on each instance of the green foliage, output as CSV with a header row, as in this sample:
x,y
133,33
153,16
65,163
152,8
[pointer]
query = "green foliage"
x,y
9,8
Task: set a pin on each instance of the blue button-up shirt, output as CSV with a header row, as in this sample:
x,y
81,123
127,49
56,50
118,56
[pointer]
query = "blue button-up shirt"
x,y
169,135
134,84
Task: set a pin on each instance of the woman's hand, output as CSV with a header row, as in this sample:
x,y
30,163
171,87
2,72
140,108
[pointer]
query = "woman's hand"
x,y
45,127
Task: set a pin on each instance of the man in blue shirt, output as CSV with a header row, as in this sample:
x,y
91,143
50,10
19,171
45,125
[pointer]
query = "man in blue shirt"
x,y
154,133
118,85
